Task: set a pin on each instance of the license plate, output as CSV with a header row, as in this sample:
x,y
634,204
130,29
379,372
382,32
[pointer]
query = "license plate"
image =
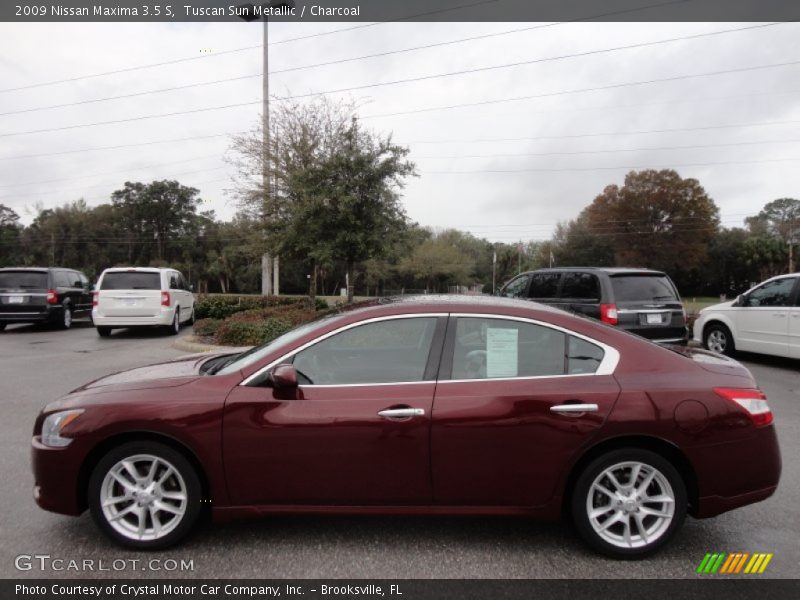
x,y
130,301
16,299
653,318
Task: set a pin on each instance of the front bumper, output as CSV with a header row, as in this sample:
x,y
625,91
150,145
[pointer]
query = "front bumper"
x,y
57,477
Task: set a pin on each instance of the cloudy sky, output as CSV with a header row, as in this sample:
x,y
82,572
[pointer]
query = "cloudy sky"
x,y
535,143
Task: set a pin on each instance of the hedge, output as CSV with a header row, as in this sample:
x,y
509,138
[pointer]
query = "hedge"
x,y
250,333
223,306
206,327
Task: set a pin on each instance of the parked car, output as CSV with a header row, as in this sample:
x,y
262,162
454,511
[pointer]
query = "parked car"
x,y
765,319
141,297
450,404
52,295
640,301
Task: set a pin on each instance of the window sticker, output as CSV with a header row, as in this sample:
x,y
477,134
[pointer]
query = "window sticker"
x,y
501,352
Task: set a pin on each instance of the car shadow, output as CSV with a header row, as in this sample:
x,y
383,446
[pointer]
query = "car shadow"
x,y
138,333
768,360
28,328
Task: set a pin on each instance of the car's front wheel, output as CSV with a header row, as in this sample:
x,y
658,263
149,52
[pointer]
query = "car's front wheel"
x,y
145,495
628,503
718,338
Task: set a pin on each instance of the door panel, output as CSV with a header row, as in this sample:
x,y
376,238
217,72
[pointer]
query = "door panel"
x,y
497,442
328,446
763,322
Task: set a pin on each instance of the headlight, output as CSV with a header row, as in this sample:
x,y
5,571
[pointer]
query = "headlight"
x,y
51,428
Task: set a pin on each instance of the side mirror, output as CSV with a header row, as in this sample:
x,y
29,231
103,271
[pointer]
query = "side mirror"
x,y
283,377
741,300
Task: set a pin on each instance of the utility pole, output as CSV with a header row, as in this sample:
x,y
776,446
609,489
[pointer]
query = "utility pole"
x,y
269,265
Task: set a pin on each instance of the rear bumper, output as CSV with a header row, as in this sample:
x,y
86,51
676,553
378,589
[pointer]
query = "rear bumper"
x,y
661,335
32,315
736,473
164,318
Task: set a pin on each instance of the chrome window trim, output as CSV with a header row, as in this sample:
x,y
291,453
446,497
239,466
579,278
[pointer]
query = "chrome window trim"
x,y
315,341
607,366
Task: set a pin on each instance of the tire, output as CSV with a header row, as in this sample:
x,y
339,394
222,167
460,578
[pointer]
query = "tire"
x,y
175,327
159,502
104,331
191,318
614,528
718,338
66,317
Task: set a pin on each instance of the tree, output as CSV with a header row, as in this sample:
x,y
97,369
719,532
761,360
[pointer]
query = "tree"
x,y
780,217
10,230
335,191
436,261
656,219
576,244
153,216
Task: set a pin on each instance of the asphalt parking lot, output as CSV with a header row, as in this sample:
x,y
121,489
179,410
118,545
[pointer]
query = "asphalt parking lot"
x,y
38,365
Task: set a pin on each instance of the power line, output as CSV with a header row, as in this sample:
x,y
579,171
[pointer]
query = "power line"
x,y
119,146
574,91
545,95
611,151
633,167
608,133
89,176
449,74
325,33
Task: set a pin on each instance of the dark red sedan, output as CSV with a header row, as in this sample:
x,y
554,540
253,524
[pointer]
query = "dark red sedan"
x,y
453,405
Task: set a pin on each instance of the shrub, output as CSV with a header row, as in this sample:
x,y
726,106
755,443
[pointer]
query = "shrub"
x,y
206,326
223,306
250,332
295,314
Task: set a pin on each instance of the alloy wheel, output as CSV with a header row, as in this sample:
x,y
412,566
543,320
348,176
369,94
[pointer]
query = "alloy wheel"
x,y
67,316
717,341
143,497
630,505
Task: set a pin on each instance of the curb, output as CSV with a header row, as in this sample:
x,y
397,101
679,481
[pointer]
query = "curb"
x,y
190,344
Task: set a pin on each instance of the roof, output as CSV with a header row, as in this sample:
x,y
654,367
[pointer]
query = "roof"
x,y
447,302
35,269
609,270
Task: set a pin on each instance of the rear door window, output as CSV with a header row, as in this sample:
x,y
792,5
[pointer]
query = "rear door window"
x,y
544,285
131,280
581,286
23,280
643,288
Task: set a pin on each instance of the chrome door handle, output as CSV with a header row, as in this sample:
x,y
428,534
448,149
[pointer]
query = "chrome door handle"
x,y
573,408
399,413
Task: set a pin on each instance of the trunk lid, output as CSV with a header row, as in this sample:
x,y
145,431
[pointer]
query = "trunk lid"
x,y
129,294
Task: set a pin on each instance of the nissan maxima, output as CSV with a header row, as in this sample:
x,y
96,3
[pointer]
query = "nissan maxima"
x,y
448,405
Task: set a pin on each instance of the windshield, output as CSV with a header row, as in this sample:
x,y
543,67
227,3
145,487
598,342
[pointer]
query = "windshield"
x,y
23,280
258,352
641,288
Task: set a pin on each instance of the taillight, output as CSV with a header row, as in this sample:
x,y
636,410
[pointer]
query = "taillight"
x,y
165,299
608,314
95,298
754,403
52,297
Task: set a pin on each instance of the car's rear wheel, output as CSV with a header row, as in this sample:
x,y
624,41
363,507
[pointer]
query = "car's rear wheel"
x,y
145,495
175,327
629,503
104,331
66,318
717,338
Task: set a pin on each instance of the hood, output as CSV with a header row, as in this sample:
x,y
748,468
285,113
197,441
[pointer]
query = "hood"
x,y
714,307
172,373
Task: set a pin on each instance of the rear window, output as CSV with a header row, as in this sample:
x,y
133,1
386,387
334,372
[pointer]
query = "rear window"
x,y
23,279
133,280
636,288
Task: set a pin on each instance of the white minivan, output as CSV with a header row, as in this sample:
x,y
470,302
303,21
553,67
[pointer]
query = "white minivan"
x,y
141,297
765,319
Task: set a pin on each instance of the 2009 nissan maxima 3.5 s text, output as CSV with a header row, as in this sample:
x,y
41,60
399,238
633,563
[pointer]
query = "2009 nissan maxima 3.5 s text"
x,y
456,405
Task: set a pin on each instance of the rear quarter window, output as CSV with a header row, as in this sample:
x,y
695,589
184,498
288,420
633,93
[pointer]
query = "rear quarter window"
x,y
133,280
636,288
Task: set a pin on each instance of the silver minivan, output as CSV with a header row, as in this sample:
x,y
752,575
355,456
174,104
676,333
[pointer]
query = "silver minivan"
x,y
141,297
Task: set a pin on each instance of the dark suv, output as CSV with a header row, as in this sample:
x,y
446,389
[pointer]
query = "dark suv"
x,y
51,295
641,301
